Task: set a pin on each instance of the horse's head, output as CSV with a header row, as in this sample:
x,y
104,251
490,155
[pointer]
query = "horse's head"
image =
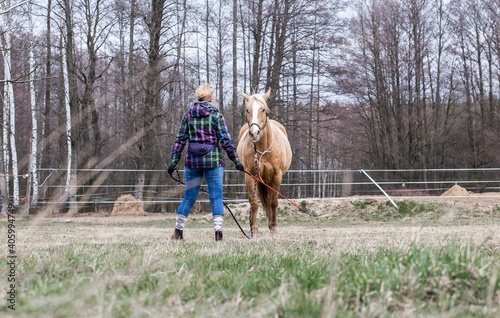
x,y
257,110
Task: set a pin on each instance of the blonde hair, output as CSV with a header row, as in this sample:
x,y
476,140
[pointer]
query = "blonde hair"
x,y
204,93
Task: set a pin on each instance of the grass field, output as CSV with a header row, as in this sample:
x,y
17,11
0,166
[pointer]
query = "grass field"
x,y
420,266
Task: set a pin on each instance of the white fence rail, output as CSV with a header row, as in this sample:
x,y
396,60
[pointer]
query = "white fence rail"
x,y
160,192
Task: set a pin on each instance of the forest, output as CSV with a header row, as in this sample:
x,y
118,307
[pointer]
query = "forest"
x,y
90,85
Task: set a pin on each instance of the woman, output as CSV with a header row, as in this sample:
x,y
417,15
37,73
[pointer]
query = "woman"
x,y
204,127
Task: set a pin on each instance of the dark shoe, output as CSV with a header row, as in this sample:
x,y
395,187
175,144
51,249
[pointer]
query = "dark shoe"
x,y
177,235
218,235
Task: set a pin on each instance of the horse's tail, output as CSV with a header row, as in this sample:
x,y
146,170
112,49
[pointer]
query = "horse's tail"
x,y
265,195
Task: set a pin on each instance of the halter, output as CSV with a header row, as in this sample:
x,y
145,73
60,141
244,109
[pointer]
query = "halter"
x,y
267,117
255,144
256,151
261,129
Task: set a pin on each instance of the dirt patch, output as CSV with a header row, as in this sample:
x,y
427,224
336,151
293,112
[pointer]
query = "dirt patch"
x,y
128,205
456,190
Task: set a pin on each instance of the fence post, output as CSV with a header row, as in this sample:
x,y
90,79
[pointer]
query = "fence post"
x,y
380,188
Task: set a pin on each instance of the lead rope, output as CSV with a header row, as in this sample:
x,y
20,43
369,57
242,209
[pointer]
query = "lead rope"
x,y
256,163
257,178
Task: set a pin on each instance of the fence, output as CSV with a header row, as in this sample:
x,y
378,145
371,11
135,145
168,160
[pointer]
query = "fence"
x,y
160,193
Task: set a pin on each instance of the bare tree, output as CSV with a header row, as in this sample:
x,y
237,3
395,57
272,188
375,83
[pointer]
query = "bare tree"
x,y
75,140
280,21
257,29
9,129
97,28
34,116
70,189
152,103
235,96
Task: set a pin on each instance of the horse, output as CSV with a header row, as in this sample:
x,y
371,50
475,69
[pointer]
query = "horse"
x,y
265,152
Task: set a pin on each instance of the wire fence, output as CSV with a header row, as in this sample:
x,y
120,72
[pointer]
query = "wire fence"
x,y
97,190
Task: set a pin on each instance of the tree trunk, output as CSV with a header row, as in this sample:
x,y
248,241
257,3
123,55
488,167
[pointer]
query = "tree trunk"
x,y
70,191
46,126
280,34
234,101
207,47
4,198
6,151
9,106
152,105
258,36
220,62
95,32
34,120
74,141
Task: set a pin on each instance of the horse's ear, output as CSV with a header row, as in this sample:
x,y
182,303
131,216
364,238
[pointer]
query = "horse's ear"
x,y
245,96
267,94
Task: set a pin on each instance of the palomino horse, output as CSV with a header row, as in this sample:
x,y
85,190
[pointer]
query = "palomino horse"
x,y
264,150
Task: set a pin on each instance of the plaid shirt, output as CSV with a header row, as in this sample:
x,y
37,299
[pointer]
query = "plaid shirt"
x,y
203,123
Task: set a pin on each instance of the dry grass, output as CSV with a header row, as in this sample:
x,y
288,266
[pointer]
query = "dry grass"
x,y
362,238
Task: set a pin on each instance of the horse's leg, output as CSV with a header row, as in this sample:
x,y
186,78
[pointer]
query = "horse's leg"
x,y
254,204
273,204
269,200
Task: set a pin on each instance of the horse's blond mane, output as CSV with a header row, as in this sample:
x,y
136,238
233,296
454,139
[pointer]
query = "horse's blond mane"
x,y
260,98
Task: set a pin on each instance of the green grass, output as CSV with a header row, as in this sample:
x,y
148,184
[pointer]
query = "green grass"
x,y
134,270
412,208
360,205
290,283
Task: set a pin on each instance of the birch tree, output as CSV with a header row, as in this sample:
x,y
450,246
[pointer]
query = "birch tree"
x,y
34,121
67,109
5,155
9,138
71,104
3,190
46,127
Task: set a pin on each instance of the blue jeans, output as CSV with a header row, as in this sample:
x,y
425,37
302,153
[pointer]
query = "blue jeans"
x,y
214,179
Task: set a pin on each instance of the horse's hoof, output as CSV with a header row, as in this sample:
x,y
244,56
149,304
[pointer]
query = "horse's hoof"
x,y
255,230
274,230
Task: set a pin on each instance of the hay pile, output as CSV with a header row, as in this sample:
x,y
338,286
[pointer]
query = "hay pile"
x,y
456,190
127,204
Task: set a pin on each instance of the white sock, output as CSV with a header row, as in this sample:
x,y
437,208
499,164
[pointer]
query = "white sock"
x,y
218,220
180,221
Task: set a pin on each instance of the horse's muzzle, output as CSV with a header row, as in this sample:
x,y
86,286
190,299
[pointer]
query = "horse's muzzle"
x,y
254,132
